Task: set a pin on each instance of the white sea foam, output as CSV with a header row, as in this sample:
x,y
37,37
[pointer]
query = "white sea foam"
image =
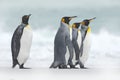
x,y
105,49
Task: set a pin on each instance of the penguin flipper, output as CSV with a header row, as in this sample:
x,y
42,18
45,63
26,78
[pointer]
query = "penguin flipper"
x,y
15,43
81,50
70,48
76,48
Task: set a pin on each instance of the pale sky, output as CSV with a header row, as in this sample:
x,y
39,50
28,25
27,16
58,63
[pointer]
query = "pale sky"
x,y
106,11
92,4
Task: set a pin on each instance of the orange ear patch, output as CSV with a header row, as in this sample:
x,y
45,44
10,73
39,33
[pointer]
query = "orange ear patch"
x,y
63,20
74,26
78,30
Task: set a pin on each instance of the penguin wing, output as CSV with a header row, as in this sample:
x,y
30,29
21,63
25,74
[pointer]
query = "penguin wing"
x,y
87,32
15,43
87,35
69,44
70,48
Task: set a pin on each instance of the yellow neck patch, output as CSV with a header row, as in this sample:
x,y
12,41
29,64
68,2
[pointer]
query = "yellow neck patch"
x,y
28,27
63,20
78,30
69,26
74,26
89,29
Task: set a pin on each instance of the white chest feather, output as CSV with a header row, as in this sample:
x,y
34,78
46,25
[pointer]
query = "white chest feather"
x,y
79,39
25,45
86,48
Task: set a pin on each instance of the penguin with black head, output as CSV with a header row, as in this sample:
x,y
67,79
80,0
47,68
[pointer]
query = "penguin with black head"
x,y
21,43
84,43
61,42
76,41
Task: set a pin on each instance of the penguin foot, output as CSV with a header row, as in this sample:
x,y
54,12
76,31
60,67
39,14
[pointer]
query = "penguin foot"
x,y
71,64
62,66
22,67
80,63
15,62
82,66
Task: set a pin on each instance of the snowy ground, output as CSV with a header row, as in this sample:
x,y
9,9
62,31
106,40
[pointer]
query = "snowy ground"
x,y
55,74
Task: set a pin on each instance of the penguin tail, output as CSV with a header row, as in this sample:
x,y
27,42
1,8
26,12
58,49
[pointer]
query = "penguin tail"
x,y
13,66
54,65
51,65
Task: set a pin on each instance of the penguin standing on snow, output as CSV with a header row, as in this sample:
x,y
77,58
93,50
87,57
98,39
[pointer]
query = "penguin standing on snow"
x,y
21,43
84,42
61,42
76,41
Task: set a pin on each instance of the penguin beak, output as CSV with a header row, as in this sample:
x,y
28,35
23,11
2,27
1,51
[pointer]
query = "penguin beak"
x,y
82,23
90,20
72,17
29,15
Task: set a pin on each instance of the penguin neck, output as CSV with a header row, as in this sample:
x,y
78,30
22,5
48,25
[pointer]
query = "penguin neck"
x,y
25,23
83,31
84,28
65,23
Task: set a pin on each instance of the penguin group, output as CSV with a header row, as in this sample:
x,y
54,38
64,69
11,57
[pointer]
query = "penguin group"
x,y
70,41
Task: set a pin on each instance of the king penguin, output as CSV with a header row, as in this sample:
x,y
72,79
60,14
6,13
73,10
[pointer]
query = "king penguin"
x,y
84,43
61,42
21,43
76,41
